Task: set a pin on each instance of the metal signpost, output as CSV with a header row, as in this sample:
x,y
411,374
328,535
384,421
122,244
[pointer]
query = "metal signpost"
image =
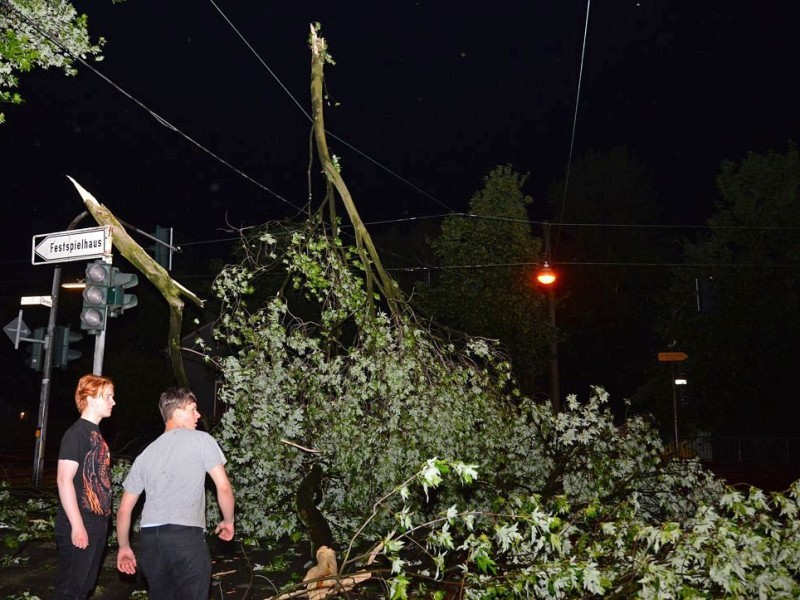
x,y
61,246
672,358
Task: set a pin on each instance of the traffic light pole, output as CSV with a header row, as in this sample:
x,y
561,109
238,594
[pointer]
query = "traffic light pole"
x,y
44,394
47,368
99,352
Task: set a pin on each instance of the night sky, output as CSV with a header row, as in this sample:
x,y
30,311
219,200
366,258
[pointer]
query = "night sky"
x,y
435,93
432,94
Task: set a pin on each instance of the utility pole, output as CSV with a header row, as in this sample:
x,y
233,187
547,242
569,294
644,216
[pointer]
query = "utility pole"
x,y
547,277
555,392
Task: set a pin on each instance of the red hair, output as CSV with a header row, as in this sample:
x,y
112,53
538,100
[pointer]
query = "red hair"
x,y
90,385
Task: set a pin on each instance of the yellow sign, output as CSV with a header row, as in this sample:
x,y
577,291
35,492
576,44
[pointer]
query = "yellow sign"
x,y
672,356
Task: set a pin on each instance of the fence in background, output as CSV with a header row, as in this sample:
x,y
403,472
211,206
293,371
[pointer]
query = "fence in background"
x,y
743,449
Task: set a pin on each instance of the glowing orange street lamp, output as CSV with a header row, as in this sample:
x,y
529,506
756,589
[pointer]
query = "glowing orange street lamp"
x,y
546,275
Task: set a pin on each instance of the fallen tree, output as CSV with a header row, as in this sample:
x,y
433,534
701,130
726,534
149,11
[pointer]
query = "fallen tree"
x,y
566,505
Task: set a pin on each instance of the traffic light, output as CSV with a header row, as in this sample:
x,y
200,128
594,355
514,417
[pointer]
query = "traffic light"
x,y
162,249
36,359
95,296
104,295
62,353
705,289
118,300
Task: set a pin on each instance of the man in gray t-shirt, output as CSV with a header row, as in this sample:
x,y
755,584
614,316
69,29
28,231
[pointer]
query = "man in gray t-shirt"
x,y
172,473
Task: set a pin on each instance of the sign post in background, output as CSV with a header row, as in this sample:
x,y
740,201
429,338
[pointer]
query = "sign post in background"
x,y
672,358
62,246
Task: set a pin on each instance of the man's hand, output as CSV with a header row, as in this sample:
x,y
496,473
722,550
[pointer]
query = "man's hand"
x,y
80,539
126,561
225,530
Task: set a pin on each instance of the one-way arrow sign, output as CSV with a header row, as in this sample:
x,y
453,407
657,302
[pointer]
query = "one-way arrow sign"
x,y
65,246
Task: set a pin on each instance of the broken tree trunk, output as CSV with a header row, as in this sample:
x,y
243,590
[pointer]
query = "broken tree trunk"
x,y
375,273
309,495
158,276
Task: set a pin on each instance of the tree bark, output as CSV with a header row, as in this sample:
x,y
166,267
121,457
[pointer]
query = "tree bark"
x,y
155,273
366,248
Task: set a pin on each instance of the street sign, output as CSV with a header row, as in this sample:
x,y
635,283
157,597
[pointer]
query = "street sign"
x,y
672,356
17,330
37,301
65,246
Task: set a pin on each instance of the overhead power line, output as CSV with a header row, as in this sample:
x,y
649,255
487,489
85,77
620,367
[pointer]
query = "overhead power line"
x,y
574,123
311,120
46,34
600,264
592,225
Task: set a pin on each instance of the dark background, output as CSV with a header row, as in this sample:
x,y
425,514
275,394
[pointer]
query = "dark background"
x,y
436,92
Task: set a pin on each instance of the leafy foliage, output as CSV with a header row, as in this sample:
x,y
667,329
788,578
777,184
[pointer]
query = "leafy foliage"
x,y
558,505
486,287
750,331
40,34
731,545
609,293
355,387
25,518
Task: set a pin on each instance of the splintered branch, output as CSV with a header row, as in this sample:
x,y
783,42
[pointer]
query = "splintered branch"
x,y
376,275
158,276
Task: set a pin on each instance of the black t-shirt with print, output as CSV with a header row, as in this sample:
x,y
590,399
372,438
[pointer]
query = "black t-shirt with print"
x,y
84,444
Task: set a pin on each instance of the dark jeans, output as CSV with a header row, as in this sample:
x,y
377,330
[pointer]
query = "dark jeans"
x,y
176,562
78,569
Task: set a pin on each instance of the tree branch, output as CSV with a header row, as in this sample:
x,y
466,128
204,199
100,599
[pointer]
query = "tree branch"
x,y
158,276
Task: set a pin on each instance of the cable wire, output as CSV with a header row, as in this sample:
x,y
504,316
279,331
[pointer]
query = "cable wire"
x,y
310,118
46,34
602,264
574,126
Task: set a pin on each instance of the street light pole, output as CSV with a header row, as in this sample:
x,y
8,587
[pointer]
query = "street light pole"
x,y
547,277
555,398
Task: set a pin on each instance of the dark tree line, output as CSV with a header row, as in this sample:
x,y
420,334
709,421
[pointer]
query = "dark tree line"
x,y
630,287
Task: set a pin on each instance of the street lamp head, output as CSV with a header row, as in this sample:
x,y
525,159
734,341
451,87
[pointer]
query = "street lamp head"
x,y
546,275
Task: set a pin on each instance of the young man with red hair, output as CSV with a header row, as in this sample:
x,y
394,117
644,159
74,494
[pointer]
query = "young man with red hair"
x,y
84,490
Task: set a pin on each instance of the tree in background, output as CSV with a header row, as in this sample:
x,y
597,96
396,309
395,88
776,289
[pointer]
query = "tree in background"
x,y
487,262
605,249
739,305
40,34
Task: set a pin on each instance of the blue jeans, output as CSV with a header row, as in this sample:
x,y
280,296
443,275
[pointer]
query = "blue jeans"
x,y
78,569
176,562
